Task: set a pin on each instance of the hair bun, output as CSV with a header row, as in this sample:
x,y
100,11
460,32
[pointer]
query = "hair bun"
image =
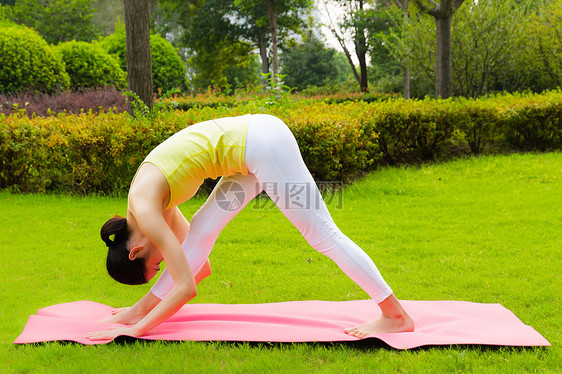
x,y
114,227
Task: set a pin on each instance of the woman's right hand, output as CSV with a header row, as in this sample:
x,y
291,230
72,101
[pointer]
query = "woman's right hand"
x,y
132,315
123,316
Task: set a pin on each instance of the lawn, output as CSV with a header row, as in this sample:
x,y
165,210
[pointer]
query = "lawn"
x,y
482,229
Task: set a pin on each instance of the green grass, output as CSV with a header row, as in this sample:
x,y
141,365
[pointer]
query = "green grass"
x,y
482,229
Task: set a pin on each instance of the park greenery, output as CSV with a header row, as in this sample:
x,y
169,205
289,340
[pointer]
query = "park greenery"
x,y
495,46
499,49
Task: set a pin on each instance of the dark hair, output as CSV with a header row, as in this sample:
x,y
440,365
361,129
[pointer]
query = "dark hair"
x,y
119,266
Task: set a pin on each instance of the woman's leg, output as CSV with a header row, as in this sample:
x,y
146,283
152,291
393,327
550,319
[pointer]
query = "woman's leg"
x,y
229,197
273,156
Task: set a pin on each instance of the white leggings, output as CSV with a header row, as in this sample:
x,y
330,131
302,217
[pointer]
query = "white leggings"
x,y
275,165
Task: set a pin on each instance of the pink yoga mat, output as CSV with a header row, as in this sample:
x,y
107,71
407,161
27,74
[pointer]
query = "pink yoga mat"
x,y
437,323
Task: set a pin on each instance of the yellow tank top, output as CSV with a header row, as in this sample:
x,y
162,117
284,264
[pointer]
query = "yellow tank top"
x,y
204,150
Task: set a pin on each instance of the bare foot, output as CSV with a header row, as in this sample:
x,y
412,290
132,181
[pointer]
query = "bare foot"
x,y
382,325
394,319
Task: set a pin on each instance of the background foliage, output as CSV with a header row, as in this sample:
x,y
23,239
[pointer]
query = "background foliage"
x,y
508,45
310,64
90,66
88,153
28,62
496,45
168,71
57,20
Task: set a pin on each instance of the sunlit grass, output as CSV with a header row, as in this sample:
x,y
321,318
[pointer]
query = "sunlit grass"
x,y
483,229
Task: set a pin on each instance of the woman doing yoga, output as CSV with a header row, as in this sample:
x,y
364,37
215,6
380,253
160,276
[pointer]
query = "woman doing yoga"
x,y
252,153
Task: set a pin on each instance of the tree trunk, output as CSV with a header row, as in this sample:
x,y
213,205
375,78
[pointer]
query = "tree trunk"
x,y
343,46
406,83
443,14
404,5
362,57
272,15
361,53
139,60
444,77
262,41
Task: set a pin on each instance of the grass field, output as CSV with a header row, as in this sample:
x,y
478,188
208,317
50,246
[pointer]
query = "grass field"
x,y
482,229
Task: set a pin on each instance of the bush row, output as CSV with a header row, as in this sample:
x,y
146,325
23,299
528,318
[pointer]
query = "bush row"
x,y
215,98
74,102
88,153
109,98
29,63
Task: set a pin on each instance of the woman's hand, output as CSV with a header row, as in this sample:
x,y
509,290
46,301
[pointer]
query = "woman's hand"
x,y
123,316
112,333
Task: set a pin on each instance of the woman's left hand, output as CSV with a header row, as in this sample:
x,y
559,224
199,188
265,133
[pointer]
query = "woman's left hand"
x,y
112,333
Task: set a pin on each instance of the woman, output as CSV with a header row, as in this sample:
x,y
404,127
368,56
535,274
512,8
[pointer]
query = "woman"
x,y
251,153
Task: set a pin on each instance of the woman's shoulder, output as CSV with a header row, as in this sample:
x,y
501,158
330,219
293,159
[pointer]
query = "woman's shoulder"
x,y
149,187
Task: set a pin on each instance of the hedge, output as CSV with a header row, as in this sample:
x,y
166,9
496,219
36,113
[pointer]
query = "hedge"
x,y
90,66
216,99
28,63
88,153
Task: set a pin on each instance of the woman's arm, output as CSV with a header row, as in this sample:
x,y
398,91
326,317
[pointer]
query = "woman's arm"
x,y
131,315
149,217
180,226
145,206
183,291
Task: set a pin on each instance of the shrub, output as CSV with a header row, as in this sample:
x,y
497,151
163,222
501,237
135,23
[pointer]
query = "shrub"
x,y
38,104
116,45
480,124
215,98
167,67
88,153
57,20
81,153
90,66
337,141
532,122
168,70
415,129
28,62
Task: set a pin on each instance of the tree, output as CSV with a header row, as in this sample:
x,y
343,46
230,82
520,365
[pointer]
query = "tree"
x,y
542,46
107,14
341,41
485,41
443,14
219,35
58,20
410,44
506,45
312,64
139,61
258,28
384,69
355,22
403,5
274,11
213,39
